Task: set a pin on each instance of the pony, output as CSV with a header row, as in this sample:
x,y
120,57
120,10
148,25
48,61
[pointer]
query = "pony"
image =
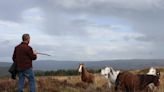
x,y
86,76
110,74
130,82
155,72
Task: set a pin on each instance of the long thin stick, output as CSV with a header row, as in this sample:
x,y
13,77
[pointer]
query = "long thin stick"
x,y
43,54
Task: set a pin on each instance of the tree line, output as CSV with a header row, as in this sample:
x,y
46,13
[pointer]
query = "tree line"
x,y
62,72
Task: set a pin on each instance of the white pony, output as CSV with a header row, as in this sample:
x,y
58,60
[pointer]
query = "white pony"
x,y
110,74
153,71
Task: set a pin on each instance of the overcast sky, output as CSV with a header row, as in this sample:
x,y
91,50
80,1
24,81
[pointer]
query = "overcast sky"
x,y
82,30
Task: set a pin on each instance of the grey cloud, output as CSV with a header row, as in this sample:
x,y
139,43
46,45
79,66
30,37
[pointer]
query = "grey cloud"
x,y
11,10
6,50
62,16
145,16
138,12
6,42
63,26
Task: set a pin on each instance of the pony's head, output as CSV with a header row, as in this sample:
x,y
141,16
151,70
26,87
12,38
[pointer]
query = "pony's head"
x,y
152,71
104,73
110,73
80,67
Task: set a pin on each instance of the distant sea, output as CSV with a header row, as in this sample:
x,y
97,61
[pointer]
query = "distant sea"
x,y
117,64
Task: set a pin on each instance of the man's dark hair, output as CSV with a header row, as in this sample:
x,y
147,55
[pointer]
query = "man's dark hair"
x,y
25,37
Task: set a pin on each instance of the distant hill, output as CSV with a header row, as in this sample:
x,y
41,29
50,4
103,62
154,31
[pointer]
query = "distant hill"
x,y
4,66
118,64
4,71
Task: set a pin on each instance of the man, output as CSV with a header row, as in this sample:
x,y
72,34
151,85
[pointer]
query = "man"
x,y
23,56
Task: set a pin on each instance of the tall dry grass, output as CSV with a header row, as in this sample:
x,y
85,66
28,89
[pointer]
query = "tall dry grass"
x,y
65,84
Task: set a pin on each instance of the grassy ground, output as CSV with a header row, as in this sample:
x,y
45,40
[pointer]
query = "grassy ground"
x,y
66,84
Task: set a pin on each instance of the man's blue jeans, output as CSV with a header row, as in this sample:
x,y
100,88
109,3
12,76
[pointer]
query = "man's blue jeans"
x,y
29,74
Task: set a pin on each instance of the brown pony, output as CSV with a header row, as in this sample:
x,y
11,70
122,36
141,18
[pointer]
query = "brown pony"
x,y
130,82
85,75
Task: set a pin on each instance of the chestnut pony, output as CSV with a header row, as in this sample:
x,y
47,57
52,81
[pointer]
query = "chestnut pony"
x,y
85,75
